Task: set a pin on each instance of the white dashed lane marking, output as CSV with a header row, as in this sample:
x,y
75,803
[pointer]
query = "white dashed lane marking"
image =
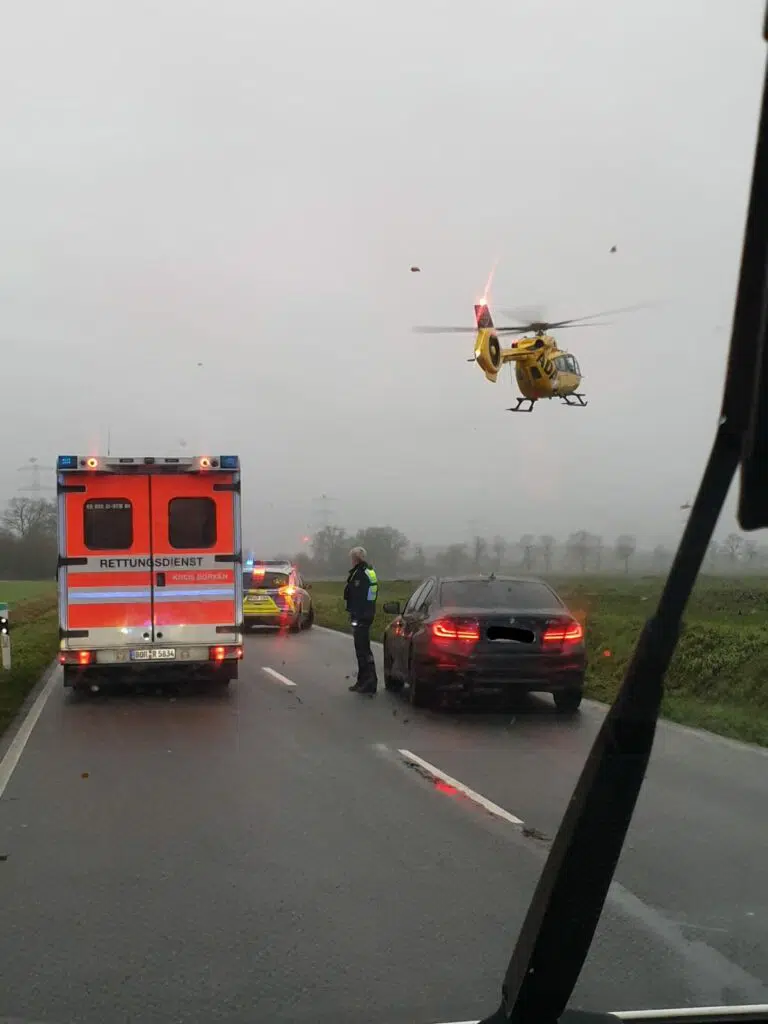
x,y
471,794
278,676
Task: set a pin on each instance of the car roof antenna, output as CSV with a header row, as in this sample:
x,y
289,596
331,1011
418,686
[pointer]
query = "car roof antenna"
x,y
566,906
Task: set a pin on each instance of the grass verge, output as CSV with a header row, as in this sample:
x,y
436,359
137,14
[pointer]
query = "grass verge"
x,y
34,638
717,679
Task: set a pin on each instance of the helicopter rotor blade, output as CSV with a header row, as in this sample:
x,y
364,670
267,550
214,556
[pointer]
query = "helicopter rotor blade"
x,y
605,312
551,325
445,330
540,328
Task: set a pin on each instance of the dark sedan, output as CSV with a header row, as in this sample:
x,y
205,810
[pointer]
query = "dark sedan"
x,y
468,635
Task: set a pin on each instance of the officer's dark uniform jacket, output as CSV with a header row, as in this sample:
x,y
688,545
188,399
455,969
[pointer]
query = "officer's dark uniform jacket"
x,y
360,592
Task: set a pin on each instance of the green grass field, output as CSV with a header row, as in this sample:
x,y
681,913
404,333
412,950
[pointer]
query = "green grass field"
x,y
34,637
718,677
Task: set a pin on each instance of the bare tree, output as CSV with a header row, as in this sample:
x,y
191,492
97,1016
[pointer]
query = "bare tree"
x,y
751,551
24,516
626,545
578,547
452,560
547,547
714,553
660,556
479,552
733,545
597,545
499,551
528,546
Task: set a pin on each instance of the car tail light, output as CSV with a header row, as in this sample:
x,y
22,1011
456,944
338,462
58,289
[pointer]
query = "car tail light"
x,y
288,591
564,633
453,630
225,653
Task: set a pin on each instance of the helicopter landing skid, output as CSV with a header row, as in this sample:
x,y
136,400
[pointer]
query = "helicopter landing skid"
x,y
519,408
579,403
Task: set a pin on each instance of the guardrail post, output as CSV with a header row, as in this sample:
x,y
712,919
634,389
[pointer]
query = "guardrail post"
x,y
5,638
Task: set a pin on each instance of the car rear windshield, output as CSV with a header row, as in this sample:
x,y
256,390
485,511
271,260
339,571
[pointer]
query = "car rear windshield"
x,y
267,580
517,595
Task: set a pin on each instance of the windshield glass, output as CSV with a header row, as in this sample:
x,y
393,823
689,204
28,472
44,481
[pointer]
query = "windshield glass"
x,y
270,579
515,595
325,791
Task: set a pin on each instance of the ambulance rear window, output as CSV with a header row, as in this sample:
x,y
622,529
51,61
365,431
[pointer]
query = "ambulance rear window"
x,y
108,524
192,523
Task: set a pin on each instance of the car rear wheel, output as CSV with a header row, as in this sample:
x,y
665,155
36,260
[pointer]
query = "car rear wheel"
x,y
391,683
568,701
418,694
310,618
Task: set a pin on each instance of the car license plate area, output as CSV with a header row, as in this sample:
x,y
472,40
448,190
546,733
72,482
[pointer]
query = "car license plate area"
x,y
258,598
154,654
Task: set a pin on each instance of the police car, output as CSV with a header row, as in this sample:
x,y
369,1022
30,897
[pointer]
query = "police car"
x,y
275,595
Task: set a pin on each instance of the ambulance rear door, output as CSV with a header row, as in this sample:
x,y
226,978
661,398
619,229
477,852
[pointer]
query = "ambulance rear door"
x,y
104,560
196,574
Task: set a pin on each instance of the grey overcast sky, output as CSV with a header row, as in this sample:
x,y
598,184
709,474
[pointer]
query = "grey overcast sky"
x,y
245,185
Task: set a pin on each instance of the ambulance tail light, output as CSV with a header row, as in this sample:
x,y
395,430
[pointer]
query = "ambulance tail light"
x,y
76,657
225,653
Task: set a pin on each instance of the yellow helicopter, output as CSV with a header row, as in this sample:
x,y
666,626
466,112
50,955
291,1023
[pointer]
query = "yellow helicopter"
x,y
542,369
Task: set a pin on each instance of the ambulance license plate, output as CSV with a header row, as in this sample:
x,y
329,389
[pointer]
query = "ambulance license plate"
x,y
258,598
154,654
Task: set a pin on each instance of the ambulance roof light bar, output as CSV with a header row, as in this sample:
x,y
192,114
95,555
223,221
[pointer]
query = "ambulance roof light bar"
x,y
112,464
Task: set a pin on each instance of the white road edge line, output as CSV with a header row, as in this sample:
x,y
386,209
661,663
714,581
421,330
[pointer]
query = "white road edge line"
x,y
19,741
276,675
478,798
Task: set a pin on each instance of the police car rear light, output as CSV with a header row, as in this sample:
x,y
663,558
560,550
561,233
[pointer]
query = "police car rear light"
x,y
288,591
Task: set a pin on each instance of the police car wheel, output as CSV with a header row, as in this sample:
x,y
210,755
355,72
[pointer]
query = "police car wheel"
x,y
310,618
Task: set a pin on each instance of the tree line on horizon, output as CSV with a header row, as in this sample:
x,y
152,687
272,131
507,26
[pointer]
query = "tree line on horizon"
x,y
28,550
395,556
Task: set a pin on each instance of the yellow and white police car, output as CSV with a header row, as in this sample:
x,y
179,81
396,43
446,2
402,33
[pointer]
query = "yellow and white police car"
x,y
275,595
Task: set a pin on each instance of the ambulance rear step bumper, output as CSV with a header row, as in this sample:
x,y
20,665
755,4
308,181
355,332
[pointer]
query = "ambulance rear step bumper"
x,y
188,660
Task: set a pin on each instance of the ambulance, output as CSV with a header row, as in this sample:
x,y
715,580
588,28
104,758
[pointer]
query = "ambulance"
x,y
149,568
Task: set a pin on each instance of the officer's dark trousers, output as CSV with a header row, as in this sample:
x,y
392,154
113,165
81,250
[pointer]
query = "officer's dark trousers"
x,y
366,666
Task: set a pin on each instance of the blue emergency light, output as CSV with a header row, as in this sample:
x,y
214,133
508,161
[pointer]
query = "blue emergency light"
x,y
66,462
228,461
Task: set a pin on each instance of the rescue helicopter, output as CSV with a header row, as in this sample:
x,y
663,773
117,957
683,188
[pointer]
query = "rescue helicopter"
x,y
542,368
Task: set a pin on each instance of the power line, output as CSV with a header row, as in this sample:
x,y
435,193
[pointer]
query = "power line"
x,y
36,485
323,513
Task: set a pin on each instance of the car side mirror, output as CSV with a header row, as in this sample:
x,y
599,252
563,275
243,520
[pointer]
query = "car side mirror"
x,y
392,607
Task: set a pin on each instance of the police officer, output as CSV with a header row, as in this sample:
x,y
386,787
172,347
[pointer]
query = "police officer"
x,y
360,595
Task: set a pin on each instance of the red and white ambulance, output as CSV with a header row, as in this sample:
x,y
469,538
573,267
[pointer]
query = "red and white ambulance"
x,y
150,568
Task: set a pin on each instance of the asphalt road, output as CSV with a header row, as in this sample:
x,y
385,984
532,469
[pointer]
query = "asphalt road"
x,y
270,855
